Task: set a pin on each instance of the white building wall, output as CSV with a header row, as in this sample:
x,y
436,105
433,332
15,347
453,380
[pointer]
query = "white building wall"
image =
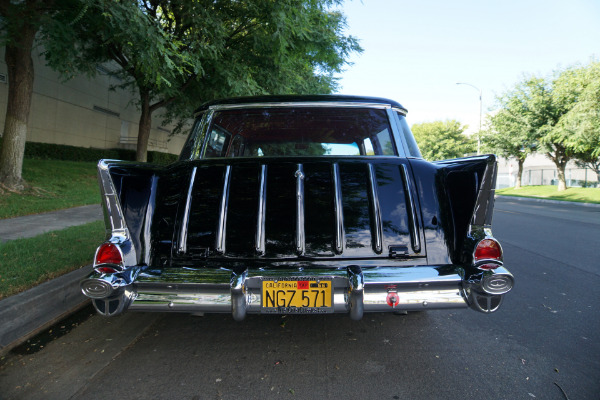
x,y
84,112
538,169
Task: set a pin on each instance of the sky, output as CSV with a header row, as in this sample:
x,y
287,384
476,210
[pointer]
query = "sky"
x,y
416,51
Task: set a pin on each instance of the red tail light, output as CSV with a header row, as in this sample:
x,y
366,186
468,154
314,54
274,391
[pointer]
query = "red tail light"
x,y
488,249
108,253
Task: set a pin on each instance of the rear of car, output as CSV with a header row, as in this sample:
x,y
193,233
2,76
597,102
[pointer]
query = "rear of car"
x,y
304,204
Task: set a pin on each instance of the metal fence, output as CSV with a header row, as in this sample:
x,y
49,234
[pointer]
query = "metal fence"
x,y
575,177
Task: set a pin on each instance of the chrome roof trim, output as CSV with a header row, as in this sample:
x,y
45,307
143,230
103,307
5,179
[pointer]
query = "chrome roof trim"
x,y
339,104
402,111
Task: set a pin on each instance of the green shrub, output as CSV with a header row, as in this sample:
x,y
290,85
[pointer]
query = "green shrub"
x,y
48,151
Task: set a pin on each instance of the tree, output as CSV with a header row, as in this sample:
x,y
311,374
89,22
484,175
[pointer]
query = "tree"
x,y
551,112
20,21
581,124
440,140
181,52
514,129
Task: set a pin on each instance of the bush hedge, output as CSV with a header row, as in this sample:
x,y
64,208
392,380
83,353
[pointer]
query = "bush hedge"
x,y
48,151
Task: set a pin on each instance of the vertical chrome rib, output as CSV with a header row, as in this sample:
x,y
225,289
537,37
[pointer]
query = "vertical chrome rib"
x,y
373,193
220,245
262,206
339,214
412,216
300,240
186,215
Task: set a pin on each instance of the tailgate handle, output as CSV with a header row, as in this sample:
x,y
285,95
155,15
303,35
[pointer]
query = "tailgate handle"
x,y
399,251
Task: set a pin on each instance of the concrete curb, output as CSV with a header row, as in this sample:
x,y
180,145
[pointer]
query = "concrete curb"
x,y
536,200
28,313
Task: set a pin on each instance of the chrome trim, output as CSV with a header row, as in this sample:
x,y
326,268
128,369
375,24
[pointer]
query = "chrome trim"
x,y
148,220
338,104
206,123
340,238
412,215
300,239
221,230
400,110
262,207
186,215
482,214
397,135
99,286
416,288
374,195
113,214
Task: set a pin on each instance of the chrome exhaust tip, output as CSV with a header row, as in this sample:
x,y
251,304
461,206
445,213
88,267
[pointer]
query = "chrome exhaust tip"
x,y
484,303
109,307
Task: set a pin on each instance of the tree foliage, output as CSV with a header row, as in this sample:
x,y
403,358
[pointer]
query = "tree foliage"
x,y
514,130
580,125
179,53
441,140
558,116
20,22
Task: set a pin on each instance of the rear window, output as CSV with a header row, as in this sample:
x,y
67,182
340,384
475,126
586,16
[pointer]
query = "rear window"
x,y
310,131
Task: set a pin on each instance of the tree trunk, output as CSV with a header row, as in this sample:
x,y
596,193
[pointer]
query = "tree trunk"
x,y
144,128
20,90
519,173
560,159
562,182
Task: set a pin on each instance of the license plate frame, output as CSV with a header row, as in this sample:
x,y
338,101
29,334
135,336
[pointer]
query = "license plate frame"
x,y
297,295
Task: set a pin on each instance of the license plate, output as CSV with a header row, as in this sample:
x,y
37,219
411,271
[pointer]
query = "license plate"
x,y
296,296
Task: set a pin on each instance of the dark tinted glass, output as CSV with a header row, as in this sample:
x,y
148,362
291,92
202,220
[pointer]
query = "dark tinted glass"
x,y
303,131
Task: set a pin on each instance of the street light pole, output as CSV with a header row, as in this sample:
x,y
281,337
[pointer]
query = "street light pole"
x,y
480,111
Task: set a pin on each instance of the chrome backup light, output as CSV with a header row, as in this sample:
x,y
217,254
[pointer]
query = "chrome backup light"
x,y
96,288
497,284
108,259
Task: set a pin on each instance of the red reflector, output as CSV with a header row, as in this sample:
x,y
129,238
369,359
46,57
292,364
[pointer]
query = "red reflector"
x,y
488,249
488,267
107,270
108,253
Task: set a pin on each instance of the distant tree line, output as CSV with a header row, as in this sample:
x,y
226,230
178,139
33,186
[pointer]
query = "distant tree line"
x,y
558,116
172,54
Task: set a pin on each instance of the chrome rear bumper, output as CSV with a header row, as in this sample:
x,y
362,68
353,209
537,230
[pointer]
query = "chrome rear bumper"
x,y
356,290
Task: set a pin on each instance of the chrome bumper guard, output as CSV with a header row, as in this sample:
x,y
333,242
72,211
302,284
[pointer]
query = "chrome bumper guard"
x,y
356,290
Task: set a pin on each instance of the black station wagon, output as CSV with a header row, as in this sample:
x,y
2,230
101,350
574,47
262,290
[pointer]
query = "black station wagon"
x,y
299,204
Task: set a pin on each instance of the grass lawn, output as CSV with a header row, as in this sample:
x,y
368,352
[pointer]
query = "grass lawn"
x,y
25,263
582,195
54,185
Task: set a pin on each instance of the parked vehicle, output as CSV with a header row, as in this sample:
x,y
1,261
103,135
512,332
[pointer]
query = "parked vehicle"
x,y
299,204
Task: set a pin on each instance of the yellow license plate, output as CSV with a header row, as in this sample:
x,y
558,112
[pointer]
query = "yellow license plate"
x,y
296,296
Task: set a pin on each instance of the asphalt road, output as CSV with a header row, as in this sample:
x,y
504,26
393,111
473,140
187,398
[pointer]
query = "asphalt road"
x,y
544,342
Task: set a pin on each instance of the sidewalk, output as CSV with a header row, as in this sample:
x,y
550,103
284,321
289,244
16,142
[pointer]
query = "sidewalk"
x,y
26,314
33,225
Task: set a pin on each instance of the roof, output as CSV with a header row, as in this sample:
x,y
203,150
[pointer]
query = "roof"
x,y
300,99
